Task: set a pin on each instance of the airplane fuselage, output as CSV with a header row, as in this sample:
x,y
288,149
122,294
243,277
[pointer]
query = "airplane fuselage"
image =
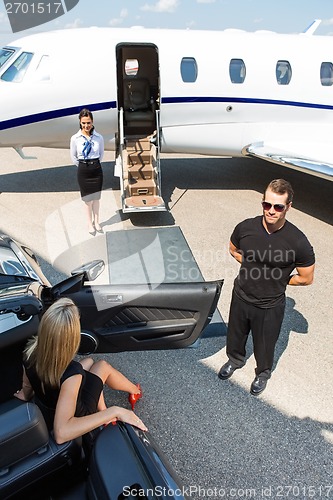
x,y
212,112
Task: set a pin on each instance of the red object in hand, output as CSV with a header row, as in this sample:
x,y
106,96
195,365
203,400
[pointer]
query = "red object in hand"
x,y
134,398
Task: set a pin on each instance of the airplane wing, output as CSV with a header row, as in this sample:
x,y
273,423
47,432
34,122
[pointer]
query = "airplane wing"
x,y
315,159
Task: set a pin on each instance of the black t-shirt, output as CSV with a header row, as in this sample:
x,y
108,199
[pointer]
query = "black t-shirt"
x,y
268,260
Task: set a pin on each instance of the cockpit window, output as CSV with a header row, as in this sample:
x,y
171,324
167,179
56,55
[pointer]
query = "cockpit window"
x,y
42,73
16,72
283,72
5,54
189,69
326,74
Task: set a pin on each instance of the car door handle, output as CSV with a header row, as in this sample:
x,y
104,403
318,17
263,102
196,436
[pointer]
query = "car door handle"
x,y
113,298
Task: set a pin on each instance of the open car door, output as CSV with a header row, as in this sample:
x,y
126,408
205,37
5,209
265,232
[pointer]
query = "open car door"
x,y
117,318
155,296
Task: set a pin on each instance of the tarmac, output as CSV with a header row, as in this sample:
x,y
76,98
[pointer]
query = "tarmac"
x,y
222,441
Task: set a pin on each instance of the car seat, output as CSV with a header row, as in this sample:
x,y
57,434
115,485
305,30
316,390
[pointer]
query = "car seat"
x,y
28,451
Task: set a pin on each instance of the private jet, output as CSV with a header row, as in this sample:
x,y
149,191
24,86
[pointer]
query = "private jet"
x,y
229,93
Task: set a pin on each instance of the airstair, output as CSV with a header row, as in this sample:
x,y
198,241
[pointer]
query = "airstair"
x,y
138,166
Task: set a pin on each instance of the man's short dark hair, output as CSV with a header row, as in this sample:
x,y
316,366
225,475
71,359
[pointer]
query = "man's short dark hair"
x,y
281,186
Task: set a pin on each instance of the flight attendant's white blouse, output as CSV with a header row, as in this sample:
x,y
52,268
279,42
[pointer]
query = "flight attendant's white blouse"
x,y
78,143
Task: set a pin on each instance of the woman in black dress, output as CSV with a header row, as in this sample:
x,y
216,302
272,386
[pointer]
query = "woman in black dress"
x,y
87,150
70,393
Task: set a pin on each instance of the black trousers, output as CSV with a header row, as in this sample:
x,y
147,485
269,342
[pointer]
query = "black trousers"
x,y
265,326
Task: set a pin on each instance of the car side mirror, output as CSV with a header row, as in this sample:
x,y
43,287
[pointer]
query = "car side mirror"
x,y
91,270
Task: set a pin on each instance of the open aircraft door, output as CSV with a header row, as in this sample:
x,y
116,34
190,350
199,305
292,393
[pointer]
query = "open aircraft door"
x,y
138,137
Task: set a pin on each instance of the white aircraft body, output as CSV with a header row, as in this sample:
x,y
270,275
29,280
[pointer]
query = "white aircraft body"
x,y
229,93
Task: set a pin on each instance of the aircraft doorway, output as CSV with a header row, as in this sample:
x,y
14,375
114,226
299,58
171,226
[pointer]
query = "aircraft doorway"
x,y
137,141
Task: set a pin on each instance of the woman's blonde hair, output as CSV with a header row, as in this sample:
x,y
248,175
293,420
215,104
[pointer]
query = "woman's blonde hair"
x,y
57,342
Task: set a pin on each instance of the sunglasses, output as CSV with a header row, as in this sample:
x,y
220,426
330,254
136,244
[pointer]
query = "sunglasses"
x,y
278,207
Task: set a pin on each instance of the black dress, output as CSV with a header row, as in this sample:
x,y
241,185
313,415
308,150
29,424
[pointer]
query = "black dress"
x,y
88,397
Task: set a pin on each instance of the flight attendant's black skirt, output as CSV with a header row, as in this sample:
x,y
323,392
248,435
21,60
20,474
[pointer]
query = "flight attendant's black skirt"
x,y
90,179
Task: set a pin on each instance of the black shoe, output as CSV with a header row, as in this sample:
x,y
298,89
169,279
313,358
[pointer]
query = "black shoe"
x,y
258,386
226,371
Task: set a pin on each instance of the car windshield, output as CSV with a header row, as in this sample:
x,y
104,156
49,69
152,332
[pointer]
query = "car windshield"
x,y
21,254
10,264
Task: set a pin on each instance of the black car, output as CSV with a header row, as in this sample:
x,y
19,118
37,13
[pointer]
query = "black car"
x,y
125,462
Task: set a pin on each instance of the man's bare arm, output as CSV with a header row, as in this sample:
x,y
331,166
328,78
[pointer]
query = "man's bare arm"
x,y
235,252
303,276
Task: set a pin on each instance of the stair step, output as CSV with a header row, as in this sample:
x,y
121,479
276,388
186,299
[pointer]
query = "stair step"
x,y
141,171
138,144
142,187
143,201
139,158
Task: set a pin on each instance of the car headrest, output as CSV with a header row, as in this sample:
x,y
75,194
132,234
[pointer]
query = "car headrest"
x,y
22,432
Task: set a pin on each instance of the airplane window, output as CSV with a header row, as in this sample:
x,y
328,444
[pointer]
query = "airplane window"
x,y
326,74
43,70
16,72
189,69
131,67
5,54
283,72
237,70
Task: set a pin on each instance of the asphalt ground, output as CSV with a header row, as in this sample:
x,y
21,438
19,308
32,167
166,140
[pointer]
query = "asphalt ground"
x,y
222,441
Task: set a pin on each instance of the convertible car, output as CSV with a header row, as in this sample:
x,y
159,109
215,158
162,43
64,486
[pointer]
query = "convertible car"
x,y
125,462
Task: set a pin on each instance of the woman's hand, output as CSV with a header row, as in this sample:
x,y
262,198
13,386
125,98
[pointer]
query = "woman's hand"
x,y
127,416
67,426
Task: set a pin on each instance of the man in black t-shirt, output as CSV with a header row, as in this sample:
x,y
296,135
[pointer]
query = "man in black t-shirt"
x,y
269,249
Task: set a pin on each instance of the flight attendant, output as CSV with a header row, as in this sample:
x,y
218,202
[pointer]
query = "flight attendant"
x,y
87,151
